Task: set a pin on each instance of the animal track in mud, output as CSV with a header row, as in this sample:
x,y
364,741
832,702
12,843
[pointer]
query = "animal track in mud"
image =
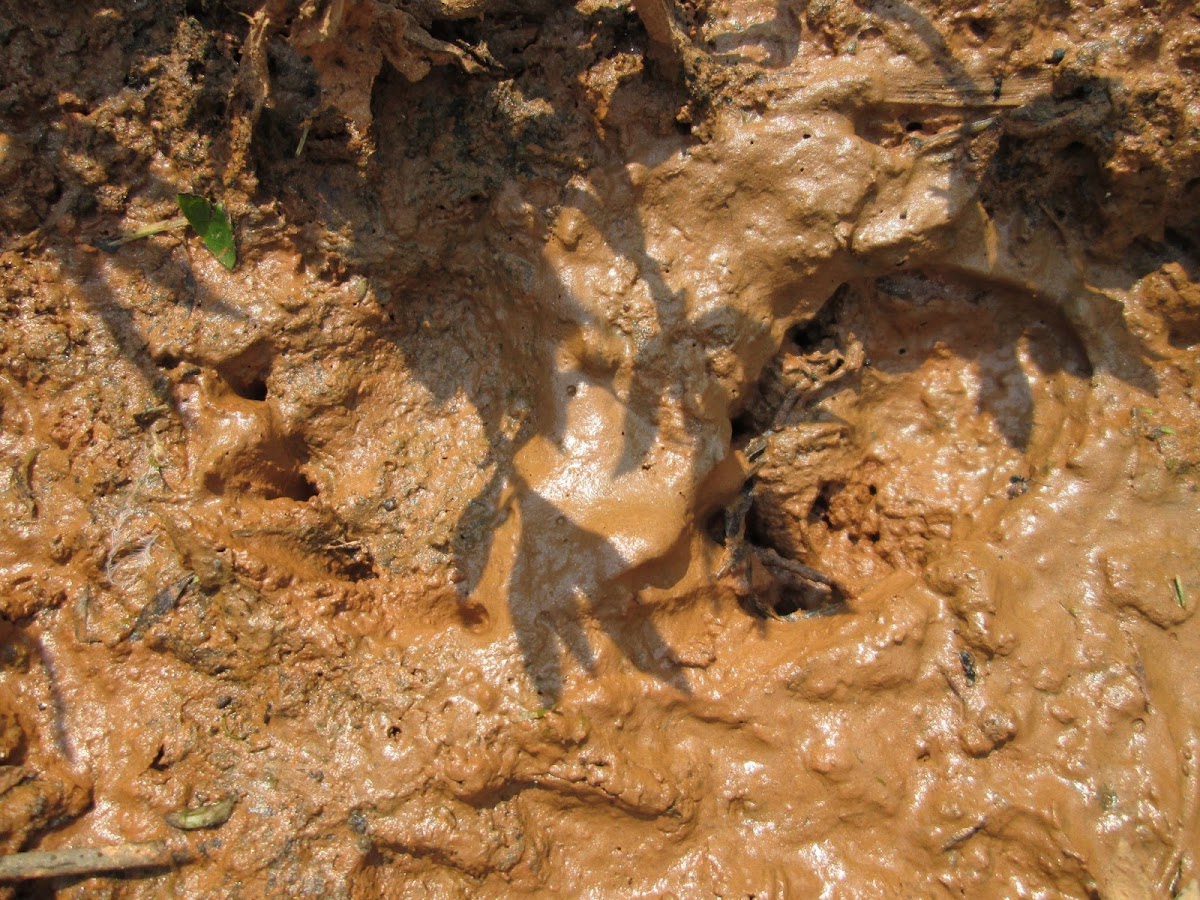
x,y
900,415
269,471
246,448
247,373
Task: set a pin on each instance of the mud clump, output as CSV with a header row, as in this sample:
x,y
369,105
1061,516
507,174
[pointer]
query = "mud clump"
x,y
661,448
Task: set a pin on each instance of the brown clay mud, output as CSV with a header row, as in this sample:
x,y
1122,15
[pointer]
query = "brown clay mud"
x,y
660,449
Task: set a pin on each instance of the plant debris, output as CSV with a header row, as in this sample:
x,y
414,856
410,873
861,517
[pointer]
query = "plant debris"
x,y
90,860
164,601
196,817
165,225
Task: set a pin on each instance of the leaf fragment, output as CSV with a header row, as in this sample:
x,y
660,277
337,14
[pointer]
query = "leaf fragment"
x,y
110,246
209,816
211,222
1180,596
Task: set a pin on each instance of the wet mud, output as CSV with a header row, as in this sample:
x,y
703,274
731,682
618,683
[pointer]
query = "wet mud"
x,y
725,448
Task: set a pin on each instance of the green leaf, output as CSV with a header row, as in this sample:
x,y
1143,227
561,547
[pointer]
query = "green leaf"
x,y
212,224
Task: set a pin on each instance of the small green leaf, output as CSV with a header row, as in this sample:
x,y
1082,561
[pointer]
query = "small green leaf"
x,y
1180,596
203,816
1165,429
212,224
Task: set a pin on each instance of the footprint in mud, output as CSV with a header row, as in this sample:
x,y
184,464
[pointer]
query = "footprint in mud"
x,y
243,447
904,416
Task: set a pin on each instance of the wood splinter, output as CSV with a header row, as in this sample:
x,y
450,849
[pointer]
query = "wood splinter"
x,y
91,860
658,18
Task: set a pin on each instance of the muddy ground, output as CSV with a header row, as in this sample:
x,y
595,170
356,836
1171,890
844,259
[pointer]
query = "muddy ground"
x,y
713,448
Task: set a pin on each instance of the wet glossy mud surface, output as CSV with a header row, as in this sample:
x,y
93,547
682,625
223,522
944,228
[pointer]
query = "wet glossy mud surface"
x,y
724,448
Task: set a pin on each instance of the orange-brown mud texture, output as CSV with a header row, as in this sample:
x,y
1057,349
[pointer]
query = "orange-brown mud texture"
x,y
675,449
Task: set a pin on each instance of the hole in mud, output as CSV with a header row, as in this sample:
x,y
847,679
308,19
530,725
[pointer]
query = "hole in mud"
x,y
788,604
981,29
358,570
253,390
714,527
473,616
808,336
248,371
456,31
742,428
158,765
819,511
793,602
304,489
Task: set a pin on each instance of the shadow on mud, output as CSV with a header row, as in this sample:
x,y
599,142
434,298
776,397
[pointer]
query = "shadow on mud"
x,y
448,147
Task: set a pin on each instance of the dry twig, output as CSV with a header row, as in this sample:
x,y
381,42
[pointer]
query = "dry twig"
x,y
91,860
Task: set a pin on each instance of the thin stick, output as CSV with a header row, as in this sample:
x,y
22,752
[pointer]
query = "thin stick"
x,y
89,860
657,20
